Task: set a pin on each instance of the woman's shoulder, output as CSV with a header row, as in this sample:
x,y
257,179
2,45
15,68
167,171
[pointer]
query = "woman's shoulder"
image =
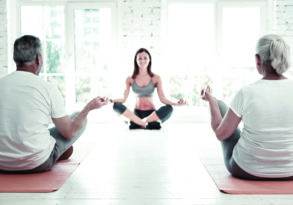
x,y
260,85
156,78
129,80
251,85
270,83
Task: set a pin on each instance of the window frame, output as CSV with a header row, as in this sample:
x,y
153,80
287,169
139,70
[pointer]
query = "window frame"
x,y
262,4
69,51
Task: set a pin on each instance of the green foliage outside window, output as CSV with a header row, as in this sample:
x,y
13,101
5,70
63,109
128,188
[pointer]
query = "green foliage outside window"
x,y
53,57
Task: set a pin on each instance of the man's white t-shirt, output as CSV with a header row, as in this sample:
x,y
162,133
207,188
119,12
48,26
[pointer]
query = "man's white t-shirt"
x,y
265,148
27,104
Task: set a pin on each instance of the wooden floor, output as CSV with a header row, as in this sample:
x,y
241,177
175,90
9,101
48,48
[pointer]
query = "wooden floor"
x,y
143,168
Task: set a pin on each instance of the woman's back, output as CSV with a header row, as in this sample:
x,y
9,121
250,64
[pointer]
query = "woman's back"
x,y
265,147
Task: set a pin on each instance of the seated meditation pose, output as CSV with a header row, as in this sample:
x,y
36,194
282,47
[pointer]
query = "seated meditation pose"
x,y
144,82
28,105
263,149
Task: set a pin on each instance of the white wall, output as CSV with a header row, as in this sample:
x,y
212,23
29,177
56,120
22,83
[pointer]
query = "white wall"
x,y
3,38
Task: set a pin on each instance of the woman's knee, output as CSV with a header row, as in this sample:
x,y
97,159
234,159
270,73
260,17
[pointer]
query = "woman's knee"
x,y
119,107
169,108
164,112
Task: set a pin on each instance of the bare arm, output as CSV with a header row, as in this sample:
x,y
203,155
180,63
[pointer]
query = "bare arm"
x,y
161,94
223,127
68,127
126,92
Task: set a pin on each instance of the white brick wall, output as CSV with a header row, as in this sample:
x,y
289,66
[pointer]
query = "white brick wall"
x,y
283,20
139,26
3,38
140,21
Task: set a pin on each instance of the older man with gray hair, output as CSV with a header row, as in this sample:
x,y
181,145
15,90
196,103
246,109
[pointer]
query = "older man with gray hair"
x,y
27,106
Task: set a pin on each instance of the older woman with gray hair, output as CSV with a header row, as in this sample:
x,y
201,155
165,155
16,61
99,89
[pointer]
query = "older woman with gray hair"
x,y
263,150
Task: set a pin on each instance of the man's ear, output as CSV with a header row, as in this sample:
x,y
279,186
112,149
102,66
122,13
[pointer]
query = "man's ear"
x,y
38,59
39,63
257,60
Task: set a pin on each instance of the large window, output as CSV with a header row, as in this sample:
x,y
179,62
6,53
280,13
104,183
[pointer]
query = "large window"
x,y
92,52
212,42
49,27
190,47
78,46
205,42
240,27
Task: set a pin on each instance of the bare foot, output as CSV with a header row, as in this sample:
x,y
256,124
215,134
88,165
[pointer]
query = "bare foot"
x,y
145,123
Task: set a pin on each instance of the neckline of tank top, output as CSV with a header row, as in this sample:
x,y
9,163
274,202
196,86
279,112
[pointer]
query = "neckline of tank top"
x,y
150,82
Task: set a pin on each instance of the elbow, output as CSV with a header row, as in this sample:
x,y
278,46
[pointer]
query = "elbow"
x,y
218,130
163,100
76,128
221,135
68,134
122,100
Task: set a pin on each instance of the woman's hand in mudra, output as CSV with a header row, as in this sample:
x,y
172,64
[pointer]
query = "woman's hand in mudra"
x,y
206,93
181,102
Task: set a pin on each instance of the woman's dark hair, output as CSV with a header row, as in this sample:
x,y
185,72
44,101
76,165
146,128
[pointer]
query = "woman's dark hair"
x,y
136,68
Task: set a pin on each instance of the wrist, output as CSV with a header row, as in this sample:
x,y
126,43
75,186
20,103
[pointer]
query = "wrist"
x,y
212,99
85,111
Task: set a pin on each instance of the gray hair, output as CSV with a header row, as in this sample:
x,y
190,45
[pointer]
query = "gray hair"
x,y
26,49
274,51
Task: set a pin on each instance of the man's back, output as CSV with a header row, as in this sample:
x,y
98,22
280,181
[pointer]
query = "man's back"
x,y
26,108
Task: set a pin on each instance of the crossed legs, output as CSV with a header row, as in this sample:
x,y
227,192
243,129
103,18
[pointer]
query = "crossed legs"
x,y
228,146
144,118
62,150
121,109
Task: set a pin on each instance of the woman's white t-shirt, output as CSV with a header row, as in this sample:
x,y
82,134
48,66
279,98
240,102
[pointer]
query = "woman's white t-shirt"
x,y
27,104
265,148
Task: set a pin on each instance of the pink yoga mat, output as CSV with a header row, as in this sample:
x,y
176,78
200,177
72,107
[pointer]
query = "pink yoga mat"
x,y
46,181
41,182
228,184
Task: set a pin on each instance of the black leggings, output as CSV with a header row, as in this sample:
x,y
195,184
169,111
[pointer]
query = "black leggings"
x,y
228,146
163,113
